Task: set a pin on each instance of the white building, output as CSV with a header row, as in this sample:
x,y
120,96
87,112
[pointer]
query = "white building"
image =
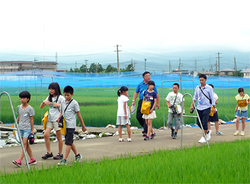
x,y
246,73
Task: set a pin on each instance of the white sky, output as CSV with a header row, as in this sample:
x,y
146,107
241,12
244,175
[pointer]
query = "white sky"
x,y
95,26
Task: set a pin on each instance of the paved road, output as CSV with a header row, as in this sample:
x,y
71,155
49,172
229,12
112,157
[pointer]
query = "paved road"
x,y
96,149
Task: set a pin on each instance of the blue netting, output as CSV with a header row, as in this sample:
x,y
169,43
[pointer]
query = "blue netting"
x,y
38,77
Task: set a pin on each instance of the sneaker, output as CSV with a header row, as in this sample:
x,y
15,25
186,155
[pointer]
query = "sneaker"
x,y
242,133
175,135
202,140
219,133
236,133
18,162
153,135
47,155
146,138
144,135
62,162
78,158
121,139
58,157
208,136
172,132
32,161
129,139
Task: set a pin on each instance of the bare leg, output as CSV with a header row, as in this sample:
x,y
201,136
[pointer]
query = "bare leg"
x,y
149,126
128,130
237,123
67,150
243,124
73,147
217,126
46,139
25,142
29,151
120,131
60,141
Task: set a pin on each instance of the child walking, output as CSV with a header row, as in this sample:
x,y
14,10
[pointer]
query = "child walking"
x,y
173,99
123,113
215,117
54,101
26,125
69,110
241,110
150,95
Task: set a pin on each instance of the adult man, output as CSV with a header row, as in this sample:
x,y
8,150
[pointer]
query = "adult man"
x,y
204,94
142,86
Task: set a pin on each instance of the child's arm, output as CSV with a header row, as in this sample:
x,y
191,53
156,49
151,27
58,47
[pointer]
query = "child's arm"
x,y
168,104
236,108
125,110
32,124
57,120
17,119
81,120
155,101
45,102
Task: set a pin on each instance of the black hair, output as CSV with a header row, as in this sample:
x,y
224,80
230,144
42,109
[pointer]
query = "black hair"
x,y
25,94
123,88
240,90
56,87
176,85
145,73
151,83
68,89
211,85
203,76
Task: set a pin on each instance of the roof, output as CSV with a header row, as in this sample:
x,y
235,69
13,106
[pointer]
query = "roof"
x,y
227,70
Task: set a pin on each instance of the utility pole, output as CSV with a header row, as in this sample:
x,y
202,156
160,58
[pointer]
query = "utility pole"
x,y
179,68
117,52
195,65
56,57
86,65
169,66
216,69
145,64
218,60
76,64
235,66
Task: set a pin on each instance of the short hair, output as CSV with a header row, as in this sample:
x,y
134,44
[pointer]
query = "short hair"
x,y
68,89
25,94
145,73
176,85
240,90
203,76
211,85
151,83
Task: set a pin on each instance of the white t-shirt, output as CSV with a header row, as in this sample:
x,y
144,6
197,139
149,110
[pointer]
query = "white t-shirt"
x,y
215,98
55,111
171,97
121,99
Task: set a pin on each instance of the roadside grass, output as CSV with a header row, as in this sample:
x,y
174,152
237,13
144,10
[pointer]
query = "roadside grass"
x,y
224,162
99,105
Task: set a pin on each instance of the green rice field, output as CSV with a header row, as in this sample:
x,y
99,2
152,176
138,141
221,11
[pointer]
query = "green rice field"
x,y
99,105
224,162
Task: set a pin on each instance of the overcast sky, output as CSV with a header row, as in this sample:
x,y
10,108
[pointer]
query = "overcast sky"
x,y
95,26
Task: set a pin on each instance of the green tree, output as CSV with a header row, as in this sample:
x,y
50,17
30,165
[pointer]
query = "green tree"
x,y
238,73
95,68
84,69
110,69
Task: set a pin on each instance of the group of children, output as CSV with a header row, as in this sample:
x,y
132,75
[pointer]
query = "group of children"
x,y
68,108
59,106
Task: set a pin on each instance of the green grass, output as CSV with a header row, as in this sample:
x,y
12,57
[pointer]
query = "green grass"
x,y
224,162
99,105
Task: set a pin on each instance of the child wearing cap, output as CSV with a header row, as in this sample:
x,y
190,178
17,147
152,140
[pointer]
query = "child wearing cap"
x,y
26,126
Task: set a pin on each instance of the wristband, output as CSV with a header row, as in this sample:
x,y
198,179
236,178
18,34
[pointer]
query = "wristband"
x,y
133,100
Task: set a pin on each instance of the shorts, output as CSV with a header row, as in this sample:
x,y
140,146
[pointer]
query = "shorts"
x,y
52,125
25,132
204,116
122,121
242,114
214,117
69,136
150,116
177,121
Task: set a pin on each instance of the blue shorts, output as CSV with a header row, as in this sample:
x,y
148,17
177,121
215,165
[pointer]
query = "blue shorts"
x,y
25,132
242,114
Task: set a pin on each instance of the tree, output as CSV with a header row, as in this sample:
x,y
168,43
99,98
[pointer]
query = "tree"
x,y
110,69
95,68
84,69
238,73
